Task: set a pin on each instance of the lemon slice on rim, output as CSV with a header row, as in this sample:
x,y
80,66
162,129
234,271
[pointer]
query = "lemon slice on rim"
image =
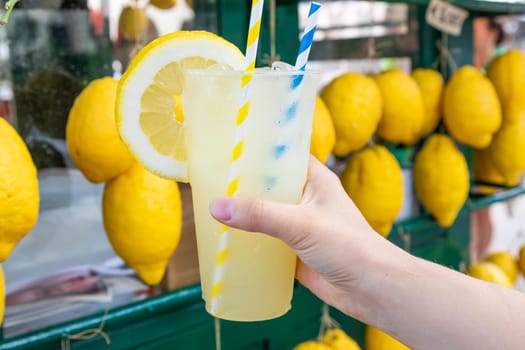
x,y
148,109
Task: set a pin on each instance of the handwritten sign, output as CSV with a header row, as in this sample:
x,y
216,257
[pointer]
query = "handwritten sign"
x,y
445,17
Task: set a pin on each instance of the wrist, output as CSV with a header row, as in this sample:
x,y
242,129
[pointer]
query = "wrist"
x,y
383,272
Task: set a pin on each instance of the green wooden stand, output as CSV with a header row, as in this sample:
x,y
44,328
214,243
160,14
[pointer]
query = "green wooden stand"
x,y
177,320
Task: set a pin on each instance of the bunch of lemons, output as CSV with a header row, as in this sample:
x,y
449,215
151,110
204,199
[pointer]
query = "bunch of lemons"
x,y
142,213
394,107
506,152
500,267
482,111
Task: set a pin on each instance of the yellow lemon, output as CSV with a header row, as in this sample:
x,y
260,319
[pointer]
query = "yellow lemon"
x,y
132,22
441,178
312,345
490,272
147,110
431,84
19,196
373,179
506,263
471,108
163,4
507,73
376,339
484,169
143,219
337,339
403,110
92,138
507,150
354,101
323,132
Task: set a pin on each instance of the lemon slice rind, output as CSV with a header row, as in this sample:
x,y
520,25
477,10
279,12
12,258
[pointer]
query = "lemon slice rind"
x,y
140,74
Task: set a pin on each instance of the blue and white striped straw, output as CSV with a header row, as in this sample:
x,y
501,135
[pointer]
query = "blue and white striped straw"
x,y
302,58
308,36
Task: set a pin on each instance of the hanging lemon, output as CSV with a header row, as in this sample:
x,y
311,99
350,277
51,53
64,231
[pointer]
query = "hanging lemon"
x,y
143,220
19,196
374,181
403,110
507,150
323,132
441,178
92,138
507,73
132,22
354,102
471,108
430,84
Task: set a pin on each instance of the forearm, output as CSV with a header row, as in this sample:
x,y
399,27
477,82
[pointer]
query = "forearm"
x,y
428,306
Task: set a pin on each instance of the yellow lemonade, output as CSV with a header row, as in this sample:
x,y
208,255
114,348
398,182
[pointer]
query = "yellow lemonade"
x,y
258,270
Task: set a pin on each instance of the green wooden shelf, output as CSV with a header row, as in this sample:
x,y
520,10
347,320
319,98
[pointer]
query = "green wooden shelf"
x,y
423,229
178,320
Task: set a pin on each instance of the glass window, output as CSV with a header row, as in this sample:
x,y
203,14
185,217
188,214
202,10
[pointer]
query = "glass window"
x,y
49,51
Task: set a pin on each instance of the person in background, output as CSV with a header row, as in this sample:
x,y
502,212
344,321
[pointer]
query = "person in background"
x,y
354,269
487,38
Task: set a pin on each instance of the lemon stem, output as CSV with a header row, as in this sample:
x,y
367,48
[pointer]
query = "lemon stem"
x,y
9,6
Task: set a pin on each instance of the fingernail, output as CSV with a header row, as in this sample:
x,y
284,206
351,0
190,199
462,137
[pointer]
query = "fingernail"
x,y
221,209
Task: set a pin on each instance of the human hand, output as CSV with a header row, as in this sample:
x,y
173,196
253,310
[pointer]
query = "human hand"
x,y
351,267
335,245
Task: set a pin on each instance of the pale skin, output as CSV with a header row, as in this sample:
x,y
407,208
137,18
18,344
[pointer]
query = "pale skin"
x,y
352,268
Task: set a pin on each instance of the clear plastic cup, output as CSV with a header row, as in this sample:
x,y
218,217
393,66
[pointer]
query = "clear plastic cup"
x,y
258,276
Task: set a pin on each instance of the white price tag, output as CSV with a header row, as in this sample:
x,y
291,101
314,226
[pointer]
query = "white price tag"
x,y
445,17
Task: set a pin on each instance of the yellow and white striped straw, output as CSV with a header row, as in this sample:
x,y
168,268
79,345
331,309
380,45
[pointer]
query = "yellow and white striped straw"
x,y
237,152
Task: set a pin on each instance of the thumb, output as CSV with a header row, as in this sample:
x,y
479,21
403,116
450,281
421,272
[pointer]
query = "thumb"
x,y
256,215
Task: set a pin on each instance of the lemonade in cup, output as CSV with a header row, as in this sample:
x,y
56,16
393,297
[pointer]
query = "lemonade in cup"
x,y
258,276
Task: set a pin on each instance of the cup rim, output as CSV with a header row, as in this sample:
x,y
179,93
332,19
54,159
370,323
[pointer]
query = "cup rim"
x,y
256,72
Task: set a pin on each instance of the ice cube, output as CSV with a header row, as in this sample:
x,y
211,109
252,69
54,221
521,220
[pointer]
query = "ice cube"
x,y
280,65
